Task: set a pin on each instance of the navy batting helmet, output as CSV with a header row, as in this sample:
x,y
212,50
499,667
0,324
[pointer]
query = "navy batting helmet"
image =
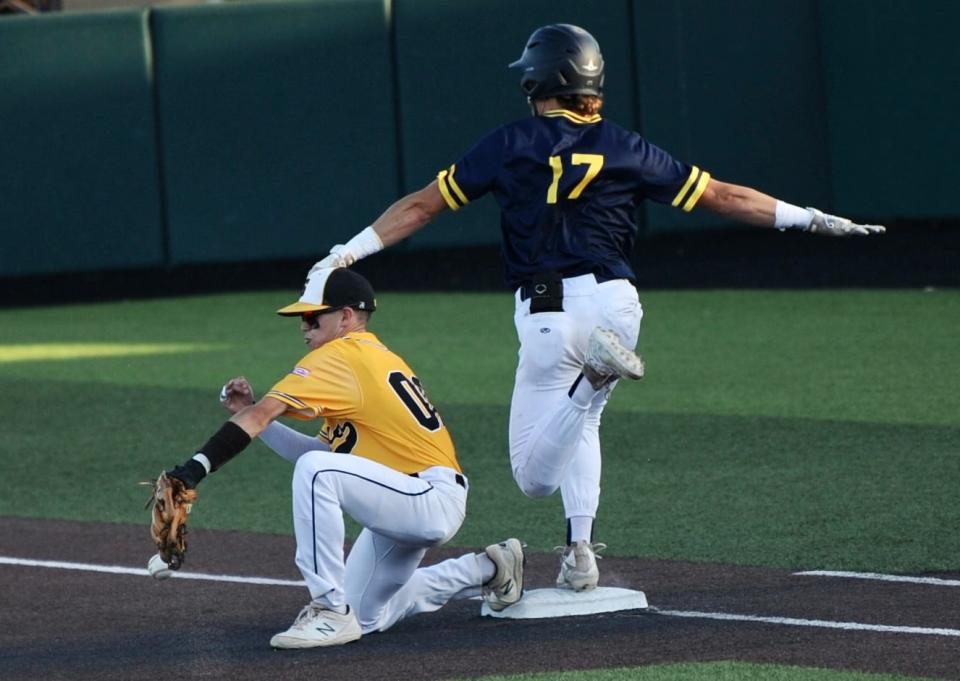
x,y
560,59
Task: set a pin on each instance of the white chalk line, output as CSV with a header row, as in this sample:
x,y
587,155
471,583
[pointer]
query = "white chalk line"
x,y
823,624
120,570
722,616
932,581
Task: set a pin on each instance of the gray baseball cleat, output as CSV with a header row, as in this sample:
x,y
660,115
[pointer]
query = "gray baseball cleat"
x,y
608,359
578,569
317,626
506,586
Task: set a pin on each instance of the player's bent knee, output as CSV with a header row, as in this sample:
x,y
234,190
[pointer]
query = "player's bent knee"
x,y
435,535
307,465
535,489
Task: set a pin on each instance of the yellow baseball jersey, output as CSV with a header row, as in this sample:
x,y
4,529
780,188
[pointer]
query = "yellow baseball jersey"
x,y
372,403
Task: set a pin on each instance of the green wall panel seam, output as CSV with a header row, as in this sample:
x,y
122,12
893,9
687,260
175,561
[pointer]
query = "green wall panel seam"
x,y
402,188
640,215
824,98
157,138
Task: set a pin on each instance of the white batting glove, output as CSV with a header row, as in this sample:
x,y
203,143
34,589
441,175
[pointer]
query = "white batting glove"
x,y
339,257
831,225
367,242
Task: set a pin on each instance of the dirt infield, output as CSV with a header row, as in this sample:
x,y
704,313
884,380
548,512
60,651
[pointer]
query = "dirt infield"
x,y
75,624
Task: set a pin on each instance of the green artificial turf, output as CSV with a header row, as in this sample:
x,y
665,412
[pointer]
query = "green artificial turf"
x,y
802,429
704,671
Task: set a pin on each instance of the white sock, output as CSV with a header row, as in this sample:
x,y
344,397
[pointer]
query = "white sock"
x,y
581,393
581,526
487,568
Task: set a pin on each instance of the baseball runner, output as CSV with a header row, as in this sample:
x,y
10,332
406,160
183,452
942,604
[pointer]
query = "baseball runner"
x,y
568,183
403,482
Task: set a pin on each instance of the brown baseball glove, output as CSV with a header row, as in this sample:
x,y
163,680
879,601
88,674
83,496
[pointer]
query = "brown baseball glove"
x,y
172,502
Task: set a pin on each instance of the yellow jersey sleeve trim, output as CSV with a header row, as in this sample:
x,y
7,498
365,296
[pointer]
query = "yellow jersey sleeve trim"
x,y
293,402
445,190
456,188
694,172
697,193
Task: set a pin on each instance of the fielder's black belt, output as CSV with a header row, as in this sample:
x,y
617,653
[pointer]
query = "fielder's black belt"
x,y
457,477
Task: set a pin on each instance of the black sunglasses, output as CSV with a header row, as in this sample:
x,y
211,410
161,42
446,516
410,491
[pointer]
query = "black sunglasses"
x,y
312,318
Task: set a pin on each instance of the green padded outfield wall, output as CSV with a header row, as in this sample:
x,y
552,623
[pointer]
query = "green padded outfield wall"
x,y
734,87
78,174
277,126
454,86
286,126
892,70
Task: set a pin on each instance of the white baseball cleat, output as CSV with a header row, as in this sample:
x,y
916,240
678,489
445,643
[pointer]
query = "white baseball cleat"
x,y
506,586
317,626
608,359
578,569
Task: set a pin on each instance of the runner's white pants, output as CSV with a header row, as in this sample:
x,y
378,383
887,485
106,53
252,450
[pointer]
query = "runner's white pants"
x,y
555,442
402,517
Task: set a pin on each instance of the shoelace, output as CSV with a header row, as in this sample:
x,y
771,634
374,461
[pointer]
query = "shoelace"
x,y
308,611
596,548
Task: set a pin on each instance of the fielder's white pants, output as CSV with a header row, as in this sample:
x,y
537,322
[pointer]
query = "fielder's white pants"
x,y
554,441
402,516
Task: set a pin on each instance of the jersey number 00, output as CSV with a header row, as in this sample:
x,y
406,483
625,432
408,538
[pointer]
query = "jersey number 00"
x,y
410,392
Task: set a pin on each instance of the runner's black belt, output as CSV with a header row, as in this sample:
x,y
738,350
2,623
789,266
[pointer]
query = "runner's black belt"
x,y
528,289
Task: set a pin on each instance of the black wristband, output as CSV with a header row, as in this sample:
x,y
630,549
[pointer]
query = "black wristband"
x,y
190,473
225,444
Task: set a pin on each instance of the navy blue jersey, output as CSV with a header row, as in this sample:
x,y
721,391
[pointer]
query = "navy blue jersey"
x,y
568,187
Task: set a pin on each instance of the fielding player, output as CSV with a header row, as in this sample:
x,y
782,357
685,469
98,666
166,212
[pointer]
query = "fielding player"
x,y
568,183
403,483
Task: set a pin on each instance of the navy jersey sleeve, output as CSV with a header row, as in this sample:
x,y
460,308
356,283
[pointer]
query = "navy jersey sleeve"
x,y
475,173
667,180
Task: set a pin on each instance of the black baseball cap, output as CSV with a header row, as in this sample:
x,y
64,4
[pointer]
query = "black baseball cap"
x,y
332,289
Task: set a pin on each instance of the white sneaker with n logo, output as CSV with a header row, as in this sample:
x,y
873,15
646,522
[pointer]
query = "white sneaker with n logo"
x,y
317,626
506,587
